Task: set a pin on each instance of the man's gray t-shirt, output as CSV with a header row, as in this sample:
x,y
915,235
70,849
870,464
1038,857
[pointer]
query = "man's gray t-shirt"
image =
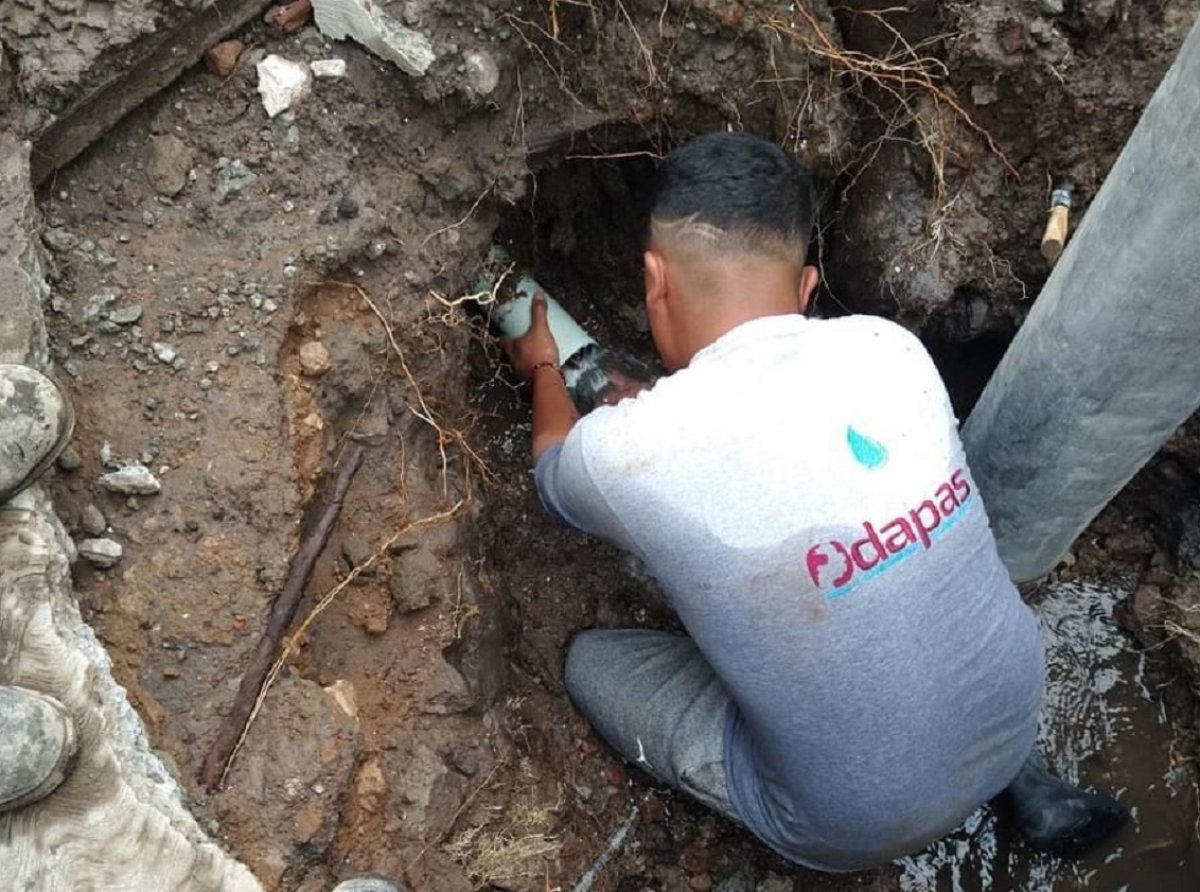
x,y
800,493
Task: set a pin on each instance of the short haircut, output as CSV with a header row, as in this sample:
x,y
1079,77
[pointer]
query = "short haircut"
x,y
732,193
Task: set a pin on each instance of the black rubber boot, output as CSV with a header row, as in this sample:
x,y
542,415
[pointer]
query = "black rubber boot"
x,y
1058,818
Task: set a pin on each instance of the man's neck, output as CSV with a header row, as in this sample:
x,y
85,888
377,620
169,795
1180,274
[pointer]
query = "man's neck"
x,y
735,293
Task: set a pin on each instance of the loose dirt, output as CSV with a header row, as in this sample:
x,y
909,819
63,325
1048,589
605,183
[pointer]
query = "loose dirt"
x,y
420,727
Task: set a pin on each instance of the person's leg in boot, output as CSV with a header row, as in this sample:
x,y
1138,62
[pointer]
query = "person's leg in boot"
x,y
36,746
655,699
1059,818
36,420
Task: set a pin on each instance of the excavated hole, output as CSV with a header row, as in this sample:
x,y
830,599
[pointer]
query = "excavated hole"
x,y
580,236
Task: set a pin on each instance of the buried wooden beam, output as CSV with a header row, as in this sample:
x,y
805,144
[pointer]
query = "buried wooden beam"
x,y
1107,365
150,65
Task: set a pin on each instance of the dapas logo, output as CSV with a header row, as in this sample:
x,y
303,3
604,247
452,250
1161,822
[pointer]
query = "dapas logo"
x,y
837,566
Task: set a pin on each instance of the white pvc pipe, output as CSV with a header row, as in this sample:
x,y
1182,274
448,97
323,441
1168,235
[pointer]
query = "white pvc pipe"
x,y
512,318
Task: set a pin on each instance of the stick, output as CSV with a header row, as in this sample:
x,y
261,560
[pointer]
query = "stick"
x,y
282,612
615,843
293,642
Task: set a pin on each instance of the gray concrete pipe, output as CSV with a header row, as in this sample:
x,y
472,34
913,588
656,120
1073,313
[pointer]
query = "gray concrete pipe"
x,y
1108,363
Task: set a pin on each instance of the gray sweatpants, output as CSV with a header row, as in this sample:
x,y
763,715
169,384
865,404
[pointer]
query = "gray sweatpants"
x,y
653,697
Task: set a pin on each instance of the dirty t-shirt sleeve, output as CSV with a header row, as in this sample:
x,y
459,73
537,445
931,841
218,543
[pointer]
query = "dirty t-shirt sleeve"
x,y
570,493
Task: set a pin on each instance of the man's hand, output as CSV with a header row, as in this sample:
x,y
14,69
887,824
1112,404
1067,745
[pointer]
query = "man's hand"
x,y
536,347
623,387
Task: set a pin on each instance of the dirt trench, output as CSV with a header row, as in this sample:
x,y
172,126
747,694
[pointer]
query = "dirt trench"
x,y
200,250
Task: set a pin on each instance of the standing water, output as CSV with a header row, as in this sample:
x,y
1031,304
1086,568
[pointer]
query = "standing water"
x,y
1102,726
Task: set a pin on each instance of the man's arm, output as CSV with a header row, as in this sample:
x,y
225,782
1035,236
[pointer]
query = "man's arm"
x,y
534,355
564,483
553,410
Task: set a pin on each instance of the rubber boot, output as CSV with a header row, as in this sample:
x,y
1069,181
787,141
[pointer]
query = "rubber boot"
x,y
36,746
36,421
368,882
1058,818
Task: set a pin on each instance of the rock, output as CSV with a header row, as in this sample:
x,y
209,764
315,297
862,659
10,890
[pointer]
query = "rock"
x,y
741,881
70,459
425,786
126,315
103,553
465,758
1098,13
774,882
383,35
447,692
370,786
341,694
302,753
232,177
168,165
164,352
372,427
328,68
1012,37
1052,7
223,57
1187,549
314,359
482,72
92,521
409,593
347,208
131,480
97,306
1147,603
282,83
59,240
357,550
984,94
1130,544
700,882
371,612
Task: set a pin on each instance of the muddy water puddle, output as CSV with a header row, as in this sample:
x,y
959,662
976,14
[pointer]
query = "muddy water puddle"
x,y
1104,724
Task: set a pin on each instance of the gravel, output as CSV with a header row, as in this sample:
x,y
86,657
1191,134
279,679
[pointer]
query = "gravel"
x,y
135,479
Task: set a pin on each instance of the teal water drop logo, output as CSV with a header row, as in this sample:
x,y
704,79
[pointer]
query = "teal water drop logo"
x,y
871,454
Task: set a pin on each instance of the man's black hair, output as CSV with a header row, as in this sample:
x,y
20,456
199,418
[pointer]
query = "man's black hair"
x,y
744,186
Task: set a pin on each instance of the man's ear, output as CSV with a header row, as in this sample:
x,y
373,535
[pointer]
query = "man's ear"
x,y
658,307
810,276
656,280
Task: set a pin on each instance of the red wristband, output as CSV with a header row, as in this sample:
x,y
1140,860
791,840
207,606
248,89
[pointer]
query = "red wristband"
x,y
544,364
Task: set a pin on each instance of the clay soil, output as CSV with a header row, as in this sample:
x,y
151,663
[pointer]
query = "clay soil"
x,y
420,728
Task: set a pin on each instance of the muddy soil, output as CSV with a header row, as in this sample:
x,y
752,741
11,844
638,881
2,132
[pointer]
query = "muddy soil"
x,y
237,301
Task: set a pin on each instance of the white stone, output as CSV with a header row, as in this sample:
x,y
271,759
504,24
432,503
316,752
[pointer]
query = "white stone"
x,y
482,72
132,480
282,83
164,352
383,35
103,553
323,68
